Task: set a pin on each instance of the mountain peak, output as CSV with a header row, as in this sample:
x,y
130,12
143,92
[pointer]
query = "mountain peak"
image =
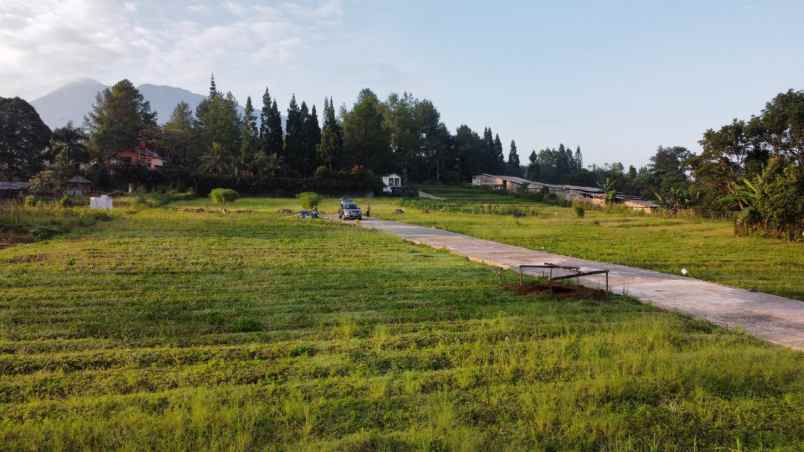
x,y
84,81
72,102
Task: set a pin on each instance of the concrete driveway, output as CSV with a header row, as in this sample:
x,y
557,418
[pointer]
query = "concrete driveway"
x,y
775,319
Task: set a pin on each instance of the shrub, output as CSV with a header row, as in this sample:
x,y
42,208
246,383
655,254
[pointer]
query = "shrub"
x,y
31,201
322,172
309,199
580,212
223,195
45,232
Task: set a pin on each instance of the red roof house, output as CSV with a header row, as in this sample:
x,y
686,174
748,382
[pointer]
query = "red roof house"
x,y
139,156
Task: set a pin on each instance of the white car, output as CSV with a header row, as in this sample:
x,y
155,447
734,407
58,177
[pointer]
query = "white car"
x,y
349,210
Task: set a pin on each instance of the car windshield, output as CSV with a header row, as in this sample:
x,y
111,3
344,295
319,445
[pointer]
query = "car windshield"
x,y
350,205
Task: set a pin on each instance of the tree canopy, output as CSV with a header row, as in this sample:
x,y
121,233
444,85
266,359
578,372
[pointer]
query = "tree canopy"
x,y
23,139
118,120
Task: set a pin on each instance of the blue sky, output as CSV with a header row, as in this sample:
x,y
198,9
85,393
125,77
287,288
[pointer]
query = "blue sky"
x,y
616,78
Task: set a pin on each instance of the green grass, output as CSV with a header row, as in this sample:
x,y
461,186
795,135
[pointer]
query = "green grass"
x,y
20,223
708,249
199,330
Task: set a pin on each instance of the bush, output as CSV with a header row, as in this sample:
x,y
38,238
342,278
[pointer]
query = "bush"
x,y
31,201
223,195
309,199
580,212
322,172
45,232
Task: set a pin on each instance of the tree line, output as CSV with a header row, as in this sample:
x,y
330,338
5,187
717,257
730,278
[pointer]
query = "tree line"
x,y
220,142
750,166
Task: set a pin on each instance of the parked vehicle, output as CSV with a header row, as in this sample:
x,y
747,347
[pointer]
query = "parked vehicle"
x,y
348,210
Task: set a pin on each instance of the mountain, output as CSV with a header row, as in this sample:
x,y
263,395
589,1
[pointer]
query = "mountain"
x,y
164,99
68,103
74,100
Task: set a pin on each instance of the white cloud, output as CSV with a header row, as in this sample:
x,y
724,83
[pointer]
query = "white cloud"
x,y
48,42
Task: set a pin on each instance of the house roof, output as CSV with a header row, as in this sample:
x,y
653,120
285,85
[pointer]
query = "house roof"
x,y
582,188
514,179
13,185
568,187
147,153
520,180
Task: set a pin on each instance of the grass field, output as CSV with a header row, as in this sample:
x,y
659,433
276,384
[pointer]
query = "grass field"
x,y
708,249
179,330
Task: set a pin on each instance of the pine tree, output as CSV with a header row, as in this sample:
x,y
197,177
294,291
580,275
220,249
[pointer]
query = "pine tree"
x,y
513,161
249,144
304,156
276,137
178,139
499,156
218,126
312,141
294,138
331,149
213,90
265,123
489,160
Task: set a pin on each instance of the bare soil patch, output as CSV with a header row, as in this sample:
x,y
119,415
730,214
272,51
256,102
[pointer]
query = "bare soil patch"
x,y
558,290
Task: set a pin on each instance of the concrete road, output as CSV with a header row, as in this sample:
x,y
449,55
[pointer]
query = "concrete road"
x,y
775,319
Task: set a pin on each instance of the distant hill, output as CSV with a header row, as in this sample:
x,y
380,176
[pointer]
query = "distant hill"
x,y
68,103
164,99
74,100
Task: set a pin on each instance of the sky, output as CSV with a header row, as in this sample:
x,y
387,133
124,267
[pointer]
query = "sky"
x,y
617,78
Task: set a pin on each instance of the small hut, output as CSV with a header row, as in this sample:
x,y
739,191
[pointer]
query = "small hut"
x,y
79,186
12,190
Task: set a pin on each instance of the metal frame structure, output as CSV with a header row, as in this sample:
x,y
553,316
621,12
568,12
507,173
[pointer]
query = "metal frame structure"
x,y
576,272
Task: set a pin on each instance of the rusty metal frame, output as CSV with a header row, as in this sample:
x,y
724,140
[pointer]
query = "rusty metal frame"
x,y
577,273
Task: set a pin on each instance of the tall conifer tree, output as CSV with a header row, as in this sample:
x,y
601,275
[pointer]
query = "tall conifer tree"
x,y
265,123
249,144
331,149
499,156
513,161
276,138
312,140
294,138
